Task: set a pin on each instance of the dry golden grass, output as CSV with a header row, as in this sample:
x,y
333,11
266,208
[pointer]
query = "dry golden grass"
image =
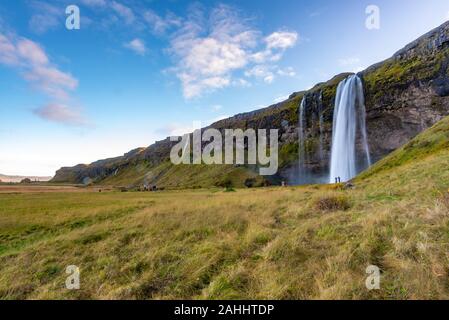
x,y
43,188
332,202
208,244
274,243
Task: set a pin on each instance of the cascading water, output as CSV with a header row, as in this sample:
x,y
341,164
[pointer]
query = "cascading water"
x,y
349,116
301,139
321,124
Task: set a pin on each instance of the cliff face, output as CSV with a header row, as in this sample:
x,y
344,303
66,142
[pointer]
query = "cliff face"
x,y
408,93
404,95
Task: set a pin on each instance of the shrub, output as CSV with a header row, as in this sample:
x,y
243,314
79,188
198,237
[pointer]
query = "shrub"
x,y
225,183
332,203
249,183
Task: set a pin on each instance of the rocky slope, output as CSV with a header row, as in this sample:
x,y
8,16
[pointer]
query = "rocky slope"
x,y
404,95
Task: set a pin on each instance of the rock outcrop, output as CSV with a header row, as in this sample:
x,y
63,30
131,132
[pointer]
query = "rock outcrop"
x,y
404,95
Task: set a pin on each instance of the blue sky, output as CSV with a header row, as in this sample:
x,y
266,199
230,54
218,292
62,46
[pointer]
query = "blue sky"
x,y
138,71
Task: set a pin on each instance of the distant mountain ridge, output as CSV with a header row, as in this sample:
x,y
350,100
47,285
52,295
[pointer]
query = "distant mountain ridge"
x,y
404,94
16,179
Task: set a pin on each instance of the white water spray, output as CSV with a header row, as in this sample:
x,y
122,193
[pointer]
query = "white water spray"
x,y
321,124
349,117
301,136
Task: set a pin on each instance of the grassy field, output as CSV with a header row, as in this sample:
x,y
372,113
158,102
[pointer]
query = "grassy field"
x,y
270,243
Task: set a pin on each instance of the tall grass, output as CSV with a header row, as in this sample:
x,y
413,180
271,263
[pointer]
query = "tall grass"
x,y
270,243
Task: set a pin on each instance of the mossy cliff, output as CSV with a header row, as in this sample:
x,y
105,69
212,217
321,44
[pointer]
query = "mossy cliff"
x,y
408,92
404,95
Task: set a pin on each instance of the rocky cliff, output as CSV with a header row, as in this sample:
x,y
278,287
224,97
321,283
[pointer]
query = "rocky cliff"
x,y
404,95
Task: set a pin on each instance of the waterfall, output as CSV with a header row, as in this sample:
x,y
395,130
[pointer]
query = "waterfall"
x,y
321,125
349,117
301,139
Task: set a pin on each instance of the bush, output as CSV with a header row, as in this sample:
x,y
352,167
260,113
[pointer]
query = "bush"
x,y
332,203
249,183
225,183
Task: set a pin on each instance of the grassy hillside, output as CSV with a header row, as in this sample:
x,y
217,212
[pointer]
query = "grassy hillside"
x,y
430,142
152,164
167,175
403,95
281,243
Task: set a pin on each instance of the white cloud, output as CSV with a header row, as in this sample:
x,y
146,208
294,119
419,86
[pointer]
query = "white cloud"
x,y
138,46
126,13
8,52
36,69
160,25
281,98
287,72
210,49
358,69
269,78
174,130
281,40
94,3
32,52
207,62
268,73
348,61
34,65
261,72
216,108
52,81
351,64
216,119
258,107
60,113
209,53
241,83
45,17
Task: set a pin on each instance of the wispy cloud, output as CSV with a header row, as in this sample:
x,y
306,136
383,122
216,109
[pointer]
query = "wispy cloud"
x,y
281,40
45,17
159,24
210,51
352,64
216,108
61,113
216,119
126,13
94,3
34,65
261,72
287,72
138,46
281,98
174,130
268,73
350,61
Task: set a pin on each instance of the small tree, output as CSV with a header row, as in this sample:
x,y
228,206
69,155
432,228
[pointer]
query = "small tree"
x,y
26,181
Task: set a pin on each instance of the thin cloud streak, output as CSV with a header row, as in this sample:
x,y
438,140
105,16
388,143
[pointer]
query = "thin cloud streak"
x,y
34,65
